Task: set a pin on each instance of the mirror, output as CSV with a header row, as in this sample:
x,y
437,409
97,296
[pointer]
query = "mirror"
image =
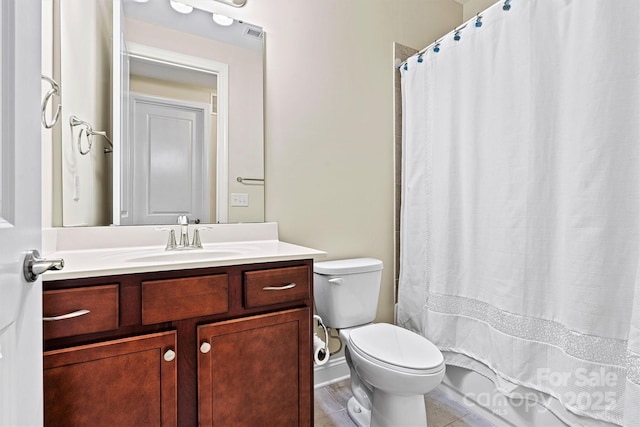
x,y
168,110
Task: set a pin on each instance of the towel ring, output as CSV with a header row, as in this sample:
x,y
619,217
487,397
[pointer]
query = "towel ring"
x,y
89,133
55,90
89,141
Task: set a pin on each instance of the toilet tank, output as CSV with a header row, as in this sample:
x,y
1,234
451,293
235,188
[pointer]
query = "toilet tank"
x,y
346,291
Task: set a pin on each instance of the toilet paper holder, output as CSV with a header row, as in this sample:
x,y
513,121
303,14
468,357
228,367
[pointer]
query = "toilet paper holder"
x,y
326,337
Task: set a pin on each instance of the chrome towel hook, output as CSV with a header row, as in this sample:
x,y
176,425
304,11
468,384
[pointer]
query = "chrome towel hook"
x,y
55,90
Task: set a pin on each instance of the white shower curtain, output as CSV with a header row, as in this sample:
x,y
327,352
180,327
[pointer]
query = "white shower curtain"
x,y
520,228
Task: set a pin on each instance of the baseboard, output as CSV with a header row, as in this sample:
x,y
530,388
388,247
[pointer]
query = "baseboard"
x,y
333,371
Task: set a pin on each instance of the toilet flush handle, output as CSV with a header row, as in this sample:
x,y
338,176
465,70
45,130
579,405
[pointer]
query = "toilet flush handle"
x,y
336,281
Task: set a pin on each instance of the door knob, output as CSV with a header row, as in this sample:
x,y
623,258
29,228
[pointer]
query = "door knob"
x,y
34,265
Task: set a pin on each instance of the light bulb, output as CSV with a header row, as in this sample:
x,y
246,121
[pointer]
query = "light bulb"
x,y
223,20
181,7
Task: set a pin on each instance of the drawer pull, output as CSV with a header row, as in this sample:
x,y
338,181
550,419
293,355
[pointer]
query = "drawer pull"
x,y
279,288
66,316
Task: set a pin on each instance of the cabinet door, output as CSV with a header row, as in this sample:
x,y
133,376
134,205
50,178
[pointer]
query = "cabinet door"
x,y
125,382
256,371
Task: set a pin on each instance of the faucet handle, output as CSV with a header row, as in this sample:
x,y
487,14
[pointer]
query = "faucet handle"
x,y
171,242
196,243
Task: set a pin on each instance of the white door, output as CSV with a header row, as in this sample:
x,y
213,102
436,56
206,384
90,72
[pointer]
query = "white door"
x,y
20,230
169,146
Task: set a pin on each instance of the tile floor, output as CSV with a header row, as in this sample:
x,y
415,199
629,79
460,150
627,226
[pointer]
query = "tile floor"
x,y
331,403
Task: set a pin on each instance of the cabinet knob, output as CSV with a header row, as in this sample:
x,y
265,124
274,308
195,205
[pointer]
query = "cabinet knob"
x,y
205,347
169,355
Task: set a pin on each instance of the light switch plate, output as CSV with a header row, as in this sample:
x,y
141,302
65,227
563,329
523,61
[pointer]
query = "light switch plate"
x,y
239,199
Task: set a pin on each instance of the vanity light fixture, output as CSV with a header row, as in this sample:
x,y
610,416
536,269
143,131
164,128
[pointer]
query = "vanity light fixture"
x,y
141,1
223,20
181,7
234,3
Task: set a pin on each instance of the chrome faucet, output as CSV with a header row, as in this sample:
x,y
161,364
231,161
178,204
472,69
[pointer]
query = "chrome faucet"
x,y
183,220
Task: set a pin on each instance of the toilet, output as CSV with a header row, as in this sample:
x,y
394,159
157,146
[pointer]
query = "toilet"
x,y
391,368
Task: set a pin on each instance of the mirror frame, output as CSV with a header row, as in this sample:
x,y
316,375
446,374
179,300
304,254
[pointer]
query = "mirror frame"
x,y
177,59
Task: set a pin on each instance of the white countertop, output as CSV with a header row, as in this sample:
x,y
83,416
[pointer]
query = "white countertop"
x,y
108,251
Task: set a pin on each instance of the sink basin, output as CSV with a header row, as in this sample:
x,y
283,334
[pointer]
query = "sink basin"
x,y
182,256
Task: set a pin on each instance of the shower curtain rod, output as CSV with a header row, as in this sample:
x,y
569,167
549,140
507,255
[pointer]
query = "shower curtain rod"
x,y
477,20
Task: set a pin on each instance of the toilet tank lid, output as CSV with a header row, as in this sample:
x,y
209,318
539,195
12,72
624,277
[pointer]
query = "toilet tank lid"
x,y
347,266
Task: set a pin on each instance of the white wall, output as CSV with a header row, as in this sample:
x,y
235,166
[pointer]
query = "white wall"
x,y
472,7
329,143
85,70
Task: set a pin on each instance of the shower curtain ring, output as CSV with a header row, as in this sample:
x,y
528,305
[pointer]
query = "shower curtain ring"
x,y
478,20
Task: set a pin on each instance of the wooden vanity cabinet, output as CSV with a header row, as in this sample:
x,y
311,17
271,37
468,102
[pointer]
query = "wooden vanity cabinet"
x,y
256,364
125,382
223,346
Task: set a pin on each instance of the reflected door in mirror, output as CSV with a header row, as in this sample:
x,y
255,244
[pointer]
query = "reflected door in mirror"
x,y
170,160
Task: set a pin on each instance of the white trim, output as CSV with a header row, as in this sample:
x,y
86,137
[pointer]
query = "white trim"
x,y
116,111
7,166
2,137
222,71
335,370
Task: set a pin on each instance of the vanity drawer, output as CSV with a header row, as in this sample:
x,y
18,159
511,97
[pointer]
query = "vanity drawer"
x,y
275,286
184,298
78,311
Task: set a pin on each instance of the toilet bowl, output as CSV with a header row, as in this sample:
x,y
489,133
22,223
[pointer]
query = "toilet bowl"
x,y
391,367
391,371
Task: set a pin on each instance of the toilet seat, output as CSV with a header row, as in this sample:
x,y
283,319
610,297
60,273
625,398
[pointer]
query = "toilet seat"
x,y
396,348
